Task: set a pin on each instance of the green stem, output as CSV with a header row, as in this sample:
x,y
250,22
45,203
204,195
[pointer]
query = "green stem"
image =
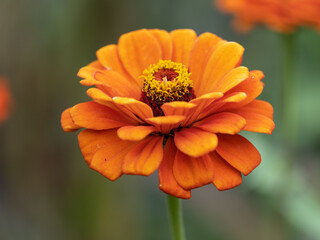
x,y
176,220
288,115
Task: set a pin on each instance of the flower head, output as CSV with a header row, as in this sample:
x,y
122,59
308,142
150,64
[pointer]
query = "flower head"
x,y
4,100
280,15
175,89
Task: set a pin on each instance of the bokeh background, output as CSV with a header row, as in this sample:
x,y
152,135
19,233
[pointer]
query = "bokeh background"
x,y
48,192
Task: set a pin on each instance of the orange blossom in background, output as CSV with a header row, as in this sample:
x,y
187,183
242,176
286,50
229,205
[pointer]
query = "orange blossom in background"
x,y
280,15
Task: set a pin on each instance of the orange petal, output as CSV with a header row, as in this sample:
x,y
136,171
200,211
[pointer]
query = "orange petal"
x,y
192,172
195,142
96,64
118,82
98,117
183,41
238,152
202,103
67,123
109,58
231,79
135,133
177,108
134,106
218,106
104,151
167,181
204,46
224,122
252,87
258,107
145,157
100,97
223,60
164,41
87,72
256,122
104,87
166,123
137,50
225,176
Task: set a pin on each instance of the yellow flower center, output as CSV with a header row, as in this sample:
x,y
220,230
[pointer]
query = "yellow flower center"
x,y
166,81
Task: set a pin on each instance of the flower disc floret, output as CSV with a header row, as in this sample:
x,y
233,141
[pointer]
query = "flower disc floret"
x,y
166,81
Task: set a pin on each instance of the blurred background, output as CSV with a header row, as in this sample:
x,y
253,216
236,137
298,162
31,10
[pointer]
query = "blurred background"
x,y
48,192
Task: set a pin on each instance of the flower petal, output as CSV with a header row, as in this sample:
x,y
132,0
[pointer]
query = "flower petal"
x,y
225,176
164,40
104,151
177,108
238,152
195,142
167,181
118,82
203,48
108,56
259,107
166,123
202,103
67,123
231,79
135,133
98,117
137,50
183,41
256,122
218,106
225,122
252,87
134,106
223,60
192,172
145,157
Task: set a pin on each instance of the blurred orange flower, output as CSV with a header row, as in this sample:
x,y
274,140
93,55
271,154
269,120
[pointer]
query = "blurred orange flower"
x,y
187,92
280,15
4,100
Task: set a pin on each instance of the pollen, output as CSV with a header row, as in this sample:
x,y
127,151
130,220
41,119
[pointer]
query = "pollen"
x,y
166,81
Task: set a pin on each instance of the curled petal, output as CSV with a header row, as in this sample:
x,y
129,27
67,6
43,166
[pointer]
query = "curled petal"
x,y
135,133
167,181
228,123
252,87
183,40
195,142
145,157
137,108
231,79
225,176
177,108
166,123
192,172
202,103
67,123
238,152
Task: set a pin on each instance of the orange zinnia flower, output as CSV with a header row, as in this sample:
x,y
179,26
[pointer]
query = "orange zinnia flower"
x,y
4,100
280,15
177,89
